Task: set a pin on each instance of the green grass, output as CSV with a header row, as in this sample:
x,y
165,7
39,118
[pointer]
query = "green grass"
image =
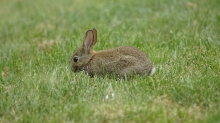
x,y
37,39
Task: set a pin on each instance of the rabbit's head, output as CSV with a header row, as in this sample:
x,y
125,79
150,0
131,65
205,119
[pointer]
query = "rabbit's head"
x,y
84,54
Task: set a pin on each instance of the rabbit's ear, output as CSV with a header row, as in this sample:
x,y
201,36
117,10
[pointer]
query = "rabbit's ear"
x,y
89,41
95,36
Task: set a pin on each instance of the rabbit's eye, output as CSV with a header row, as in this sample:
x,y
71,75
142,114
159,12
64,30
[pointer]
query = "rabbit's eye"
x,y
75,59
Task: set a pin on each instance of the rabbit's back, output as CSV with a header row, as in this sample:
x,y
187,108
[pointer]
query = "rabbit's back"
x,y
120,61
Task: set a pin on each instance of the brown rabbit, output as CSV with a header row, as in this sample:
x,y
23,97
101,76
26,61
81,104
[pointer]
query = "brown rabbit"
x,y
121,61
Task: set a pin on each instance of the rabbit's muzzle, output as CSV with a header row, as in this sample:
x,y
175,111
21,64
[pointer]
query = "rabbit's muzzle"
x,y
74,68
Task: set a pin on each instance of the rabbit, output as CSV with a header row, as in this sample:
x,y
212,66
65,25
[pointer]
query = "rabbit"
x,y
120,61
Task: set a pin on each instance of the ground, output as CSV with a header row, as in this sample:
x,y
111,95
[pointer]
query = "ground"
x,y
38,39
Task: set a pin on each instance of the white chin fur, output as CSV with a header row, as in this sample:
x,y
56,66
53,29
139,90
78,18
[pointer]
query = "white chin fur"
x,y
152,71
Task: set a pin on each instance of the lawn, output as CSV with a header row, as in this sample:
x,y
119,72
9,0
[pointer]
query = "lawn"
x,y
182,39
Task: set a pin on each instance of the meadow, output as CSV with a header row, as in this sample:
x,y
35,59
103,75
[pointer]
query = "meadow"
x,y
38,38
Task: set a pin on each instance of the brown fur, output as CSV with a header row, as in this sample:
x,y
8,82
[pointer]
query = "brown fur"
x,y
121,61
